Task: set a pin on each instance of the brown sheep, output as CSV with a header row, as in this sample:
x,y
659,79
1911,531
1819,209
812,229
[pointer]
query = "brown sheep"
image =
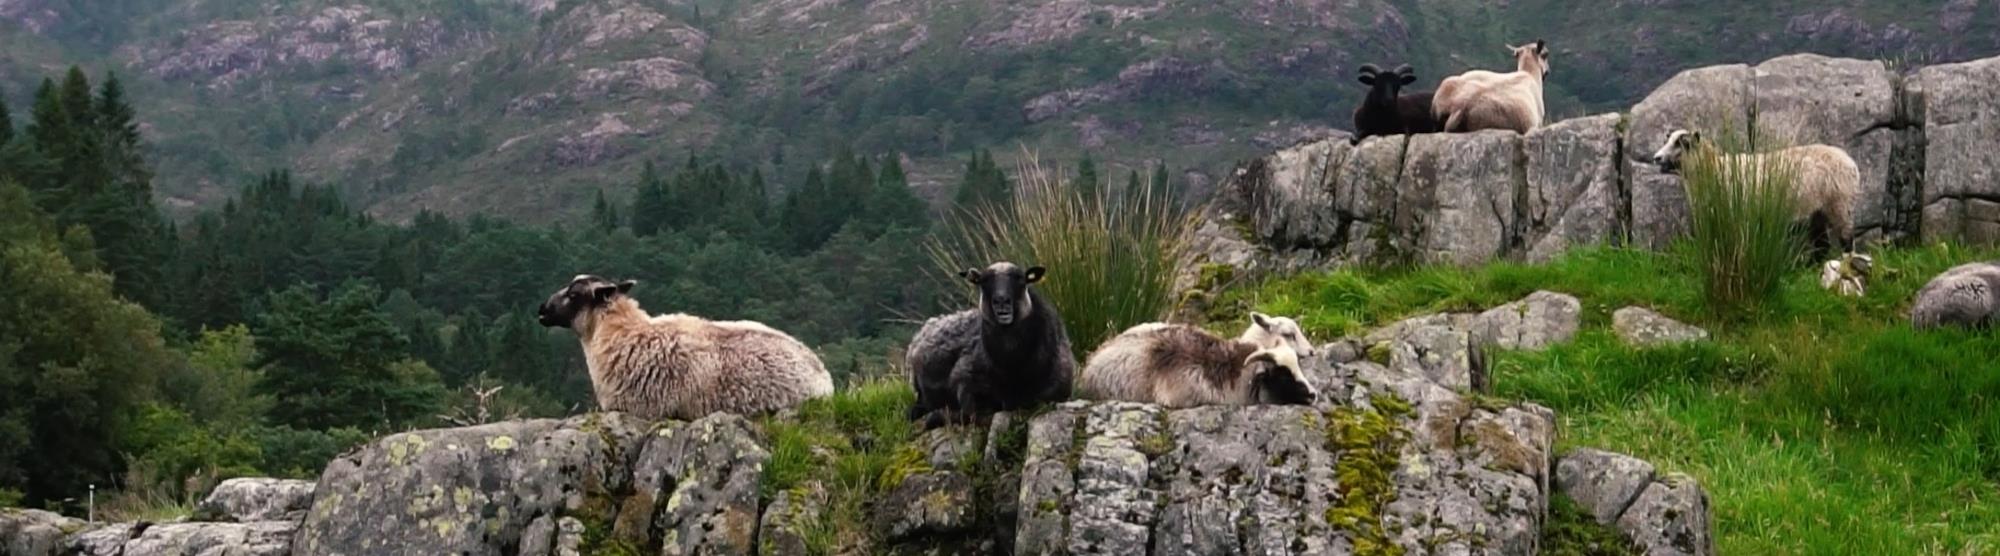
x,y
679,366
1481,99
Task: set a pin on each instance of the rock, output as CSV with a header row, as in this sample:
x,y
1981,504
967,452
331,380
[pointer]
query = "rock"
x,y
478,490
261,538
1291,195
1158,74
783,531
1365,191
1642,327
1700,99
256,499
1961,194
1540,320
1574,195
25,532
1602,483
1445,355
1670,518
1457,196
926,504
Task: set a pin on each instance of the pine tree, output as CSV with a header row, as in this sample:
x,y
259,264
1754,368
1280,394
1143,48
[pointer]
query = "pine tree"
x,y
984,184
892,205
650,204
804,213
602,214
6,124
1087,184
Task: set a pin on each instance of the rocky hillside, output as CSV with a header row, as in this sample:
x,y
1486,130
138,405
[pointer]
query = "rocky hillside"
x,y
1920,137
1402,455
525,107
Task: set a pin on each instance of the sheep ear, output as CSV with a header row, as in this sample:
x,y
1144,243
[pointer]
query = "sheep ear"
x,y
626,286
1262,320
1408,79
603,292
1541,47
970,275
1035,274
1368,79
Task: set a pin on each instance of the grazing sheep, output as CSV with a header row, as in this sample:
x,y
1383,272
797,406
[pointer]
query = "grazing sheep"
x,y
1182,366
679,366
1847,275
1384,112
1009,353
1967,295
1828,183
1481,99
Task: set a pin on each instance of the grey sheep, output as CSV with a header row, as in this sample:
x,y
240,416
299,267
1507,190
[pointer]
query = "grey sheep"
x,y
1967,295
1009,353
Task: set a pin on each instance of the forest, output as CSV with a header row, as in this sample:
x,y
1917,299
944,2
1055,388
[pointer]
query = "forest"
x,y
271,333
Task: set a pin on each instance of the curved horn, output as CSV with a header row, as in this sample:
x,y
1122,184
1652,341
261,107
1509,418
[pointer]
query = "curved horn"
x,y
1405,69
1370,69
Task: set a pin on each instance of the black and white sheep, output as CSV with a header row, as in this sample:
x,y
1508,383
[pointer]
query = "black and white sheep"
x,y
1009,353
1387,111
1966,295
1481,99
1179,366
1828,183
679,366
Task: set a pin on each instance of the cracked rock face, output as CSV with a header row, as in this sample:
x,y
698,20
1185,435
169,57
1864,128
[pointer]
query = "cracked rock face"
x,y
1601,482
256,499
262,538
1670,518
1574,190
1961,196
685,487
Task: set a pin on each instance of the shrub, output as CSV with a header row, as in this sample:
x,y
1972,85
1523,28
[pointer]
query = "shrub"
x,y
1112,257
1742,238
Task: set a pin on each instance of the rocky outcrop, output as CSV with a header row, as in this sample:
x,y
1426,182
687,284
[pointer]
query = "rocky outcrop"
x,y
1664,515
256,499
1919,139
355,37
259,538
26,532
1643,327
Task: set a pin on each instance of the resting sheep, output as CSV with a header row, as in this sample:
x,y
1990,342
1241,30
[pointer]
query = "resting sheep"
x,y
1481,99
1009,353
679,366
1181,366
1384,112
1847,275
1828,183
1967,295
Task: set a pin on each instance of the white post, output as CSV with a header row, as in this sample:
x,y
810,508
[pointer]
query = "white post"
x,y
92,504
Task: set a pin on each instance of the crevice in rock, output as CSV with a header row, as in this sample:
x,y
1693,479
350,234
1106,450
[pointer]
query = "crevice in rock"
x,y
1515,244
1621,232
1626,505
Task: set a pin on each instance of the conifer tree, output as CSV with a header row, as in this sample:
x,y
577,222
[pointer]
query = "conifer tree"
x,y
892,205
1087,184
603,214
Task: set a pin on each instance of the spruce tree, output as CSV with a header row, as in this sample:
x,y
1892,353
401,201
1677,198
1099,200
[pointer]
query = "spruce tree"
x,y
892,205
602,214
6,124
1087,184
649,205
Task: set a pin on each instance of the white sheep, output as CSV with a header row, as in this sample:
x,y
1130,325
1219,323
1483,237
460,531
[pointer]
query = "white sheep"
x,y
1847,275
679,366
1828,182
1183,366
1966,295
1481,99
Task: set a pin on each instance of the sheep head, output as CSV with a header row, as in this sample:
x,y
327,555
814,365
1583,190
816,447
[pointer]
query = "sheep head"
x,y
1003,291
1267,331
1387,82
583,294
1679,142
1278,378
1532,58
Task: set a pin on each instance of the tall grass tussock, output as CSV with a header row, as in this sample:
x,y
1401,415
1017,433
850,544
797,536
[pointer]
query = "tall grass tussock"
x,y
1741,234
1112,256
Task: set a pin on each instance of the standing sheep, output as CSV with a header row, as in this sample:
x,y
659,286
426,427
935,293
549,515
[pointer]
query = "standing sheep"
x,y
1009,353
1967,295
679,366
1385,112
1181,366
1481,99
1828,183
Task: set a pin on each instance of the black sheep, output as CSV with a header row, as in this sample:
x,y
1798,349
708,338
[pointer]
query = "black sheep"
x,y
1384,112
1009,353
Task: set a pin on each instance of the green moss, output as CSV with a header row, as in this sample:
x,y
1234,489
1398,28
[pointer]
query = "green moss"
x,y
1367,442
1571,531
911,460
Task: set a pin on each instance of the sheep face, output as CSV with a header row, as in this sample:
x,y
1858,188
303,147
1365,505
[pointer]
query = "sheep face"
x,y
1279,378
1679,142
1388,83
1267,331
584,293
1003,291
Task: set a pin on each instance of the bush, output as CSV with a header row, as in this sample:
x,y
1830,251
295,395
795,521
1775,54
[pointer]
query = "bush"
x,y
1112,257
1742,236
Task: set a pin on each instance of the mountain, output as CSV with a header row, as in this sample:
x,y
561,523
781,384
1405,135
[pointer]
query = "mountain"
x,y
527,108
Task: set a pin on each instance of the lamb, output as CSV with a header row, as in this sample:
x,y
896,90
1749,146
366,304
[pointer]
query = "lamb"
x,y
1009,353
679,366
1180,366
1847,275
1966,295
1828,183
1481,99
1384,112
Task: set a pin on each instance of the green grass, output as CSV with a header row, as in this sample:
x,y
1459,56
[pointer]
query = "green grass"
x,y
854,445
1819,424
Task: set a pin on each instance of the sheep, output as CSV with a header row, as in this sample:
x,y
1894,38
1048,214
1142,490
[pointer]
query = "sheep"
x,y
1180,366
1011,352
1828,183
1847,275
680,366
1966,295
1384,112
1481,99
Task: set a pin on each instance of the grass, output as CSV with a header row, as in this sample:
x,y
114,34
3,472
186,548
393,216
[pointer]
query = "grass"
x,y
1741,234
854,445
1111,259
1819,424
